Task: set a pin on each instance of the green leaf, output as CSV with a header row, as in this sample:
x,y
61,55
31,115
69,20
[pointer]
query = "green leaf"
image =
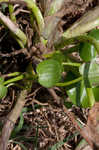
x,y
1,80
79,96
58,56
87,51
94,33
49,72
3,91
96,93
90,72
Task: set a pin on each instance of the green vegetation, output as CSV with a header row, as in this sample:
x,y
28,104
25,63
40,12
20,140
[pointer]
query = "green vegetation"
x,y
82,87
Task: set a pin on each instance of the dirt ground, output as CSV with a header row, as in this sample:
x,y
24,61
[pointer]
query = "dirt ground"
x,y
45,122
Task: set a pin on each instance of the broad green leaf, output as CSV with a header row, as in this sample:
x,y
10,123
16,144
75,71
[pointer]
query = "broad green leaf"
x,y
87,51
3,91
90,72
94,33
49,72
79,96
96,93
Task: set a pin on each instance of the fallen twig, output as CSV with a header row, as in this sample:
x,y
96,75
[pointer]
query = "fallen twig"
x,y
11,120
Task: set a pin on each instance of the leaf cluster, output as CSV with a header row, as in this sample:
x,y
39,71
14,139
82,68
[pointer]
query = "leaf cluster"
x,y
82,79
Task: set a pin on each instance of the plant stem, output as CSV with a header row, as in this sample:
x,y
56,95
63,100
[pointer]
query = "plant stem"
x,y
71,64
52,8
11,84
14,80
11,10
13,74
13,18
32,19
37,13
82,38
70,82
21,37
31,4
90,96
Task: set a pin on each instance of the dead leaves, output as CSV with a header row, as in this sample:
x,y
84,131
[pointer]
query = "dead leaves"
x,y
92,128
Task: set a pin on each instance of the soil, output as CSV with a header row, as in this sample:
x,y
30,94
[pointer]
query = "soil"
x,y
45,122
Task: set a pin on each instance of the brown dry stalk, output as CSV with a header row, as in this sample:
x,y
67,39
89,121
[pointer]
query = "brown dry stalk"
x,y
8,23
82,133
11,120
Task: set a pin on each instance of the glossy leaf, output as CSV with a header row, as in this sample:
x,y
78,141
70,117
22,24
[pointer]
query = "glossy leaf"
x,y
96,93
49,72
87,51
3,91
90,72
79,96
94,33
